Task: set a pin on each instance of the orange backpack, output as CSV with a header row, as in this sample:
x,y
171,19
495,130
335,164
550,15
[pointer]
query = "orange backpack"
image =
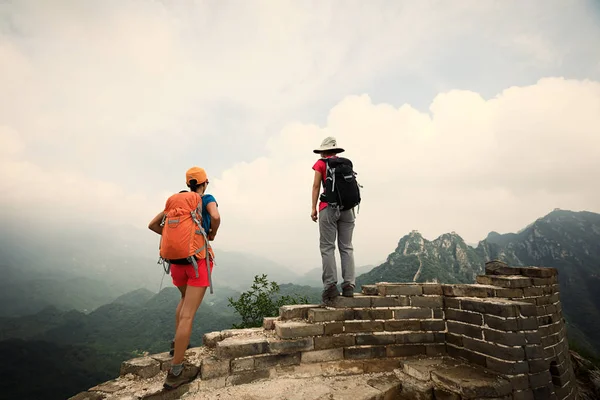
x,y
183,235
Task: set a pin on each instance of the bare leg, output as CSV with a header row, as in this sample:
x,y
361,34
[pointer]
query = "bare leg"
x,y
180,305
191,301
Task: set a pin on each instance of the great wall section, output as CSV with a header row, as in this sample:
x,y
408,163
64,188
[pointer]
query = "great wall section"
x,y
502,338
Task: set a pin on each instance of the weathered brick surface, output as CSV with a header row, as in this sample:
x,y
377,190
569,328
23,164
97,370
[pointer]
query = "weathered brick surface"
x,y
369,290
502,324
269,323
322,315
414,337
329,342
390,301
332,328
212,367
489,306
292,329
399,289
296,311
363,326
433,325
427,301
465,329
433,289
504,281
399,325
357,301
464,316
288,346
323,355
366,314
500,352
506,338
413,313
404,350
377,338
468,290
364,352
241,347
144,367
271,360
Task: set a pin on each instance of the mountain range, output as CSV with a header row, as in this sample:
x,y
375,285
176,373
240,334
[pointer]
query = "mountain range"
x,y
566,240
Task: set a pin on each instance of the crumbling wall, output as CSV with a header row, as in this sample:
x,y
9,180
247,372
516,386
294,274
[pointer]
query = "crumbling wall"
x,y
510,324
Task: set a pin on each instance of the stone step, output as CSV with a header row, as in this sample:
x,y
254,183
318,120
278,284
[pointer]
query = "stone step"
x,y
296,311
387,313
297,329
235,347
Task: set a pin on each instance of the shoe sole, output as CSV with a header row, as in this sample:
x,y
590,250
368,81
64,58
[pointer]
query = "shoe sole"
x,y
169,387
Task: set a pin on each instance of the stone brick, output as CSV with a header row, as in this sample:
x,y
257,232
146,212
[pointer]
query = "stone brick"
x,y
454,339
329,342
405,350
526,324
413,313
528,310
539,272
472,357
399,325
501,324
533,291
519,382
494,350
269,323
296,311
490,306
414,338
363,326
358,301
443,394
290,329
534,351
432,288
210,339
543,393
364,352
242,364
451,302
539,365
433,325
369,314
323,355
235,347
375,338
438,313
289,346
540,379
508,293
164,359
332,328
369,290
427,301
323,314
464,316
144,367
544,281
467,290
243,378
465,329
544,300
212,368
497,267
399,289
271,360
390,301
506,338
504,281
471,382
507,367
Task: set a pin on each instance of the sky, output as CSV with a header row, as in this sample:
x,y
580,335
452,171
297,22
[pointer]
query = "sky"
x,y
464,116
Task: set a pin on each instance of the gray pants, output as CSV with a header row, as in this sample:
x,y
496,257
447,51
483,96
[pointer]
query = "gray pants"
x,y
331,223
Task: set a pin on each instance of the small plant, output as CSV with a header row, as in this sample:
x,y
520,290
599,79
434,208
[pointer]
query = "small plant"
x,y
259,302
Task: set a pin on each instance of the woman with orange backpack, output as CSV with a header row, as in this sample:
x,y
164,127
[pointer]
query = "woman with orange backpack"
x,y
187,225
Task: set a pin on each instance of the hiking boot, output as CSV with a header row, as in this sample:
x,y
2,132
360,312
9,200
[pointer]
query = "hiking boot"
x,y
188,374
348,291
172,351
330,294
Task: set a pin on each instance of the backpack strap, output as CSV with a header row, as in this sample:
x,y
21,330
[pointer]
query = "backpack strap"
x,y
197,217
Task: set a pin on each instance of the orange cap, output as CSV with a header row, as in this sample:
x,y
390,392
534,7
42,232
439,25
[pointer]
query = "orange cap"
x,y
197,173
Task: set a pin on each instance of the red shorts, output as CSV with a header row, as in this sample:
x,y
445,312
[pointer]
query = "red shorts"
x,y
185,275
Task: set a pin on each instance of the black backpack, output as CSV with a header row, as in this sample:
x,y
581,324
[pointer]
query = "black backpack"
x,y
341,188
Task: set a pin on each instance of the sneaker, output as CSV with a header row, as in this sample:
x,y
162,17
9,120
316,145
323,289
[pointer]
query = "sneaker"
x,y
172,351
330,294
348,291
188,374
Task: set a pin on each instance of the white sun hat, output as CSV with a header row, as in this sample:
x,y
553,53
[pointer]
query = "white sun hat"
x,y
329,144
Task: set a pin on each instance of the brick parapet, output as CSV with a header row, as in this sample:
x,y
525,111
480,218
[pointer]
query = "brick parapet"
x,y
509,323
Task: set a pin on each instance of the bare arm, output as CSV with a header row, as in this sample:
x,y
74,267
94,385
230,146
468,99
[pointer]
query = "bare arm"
x,y
215,219
154,225
315,189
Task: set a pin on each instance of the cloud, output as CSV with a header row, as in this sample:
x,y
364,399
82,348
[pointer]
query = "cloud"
x,y
470,165
104,104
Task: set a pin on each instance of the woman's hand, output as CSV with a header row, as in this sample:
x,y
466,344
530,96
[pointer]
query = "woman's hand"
x,y
314,215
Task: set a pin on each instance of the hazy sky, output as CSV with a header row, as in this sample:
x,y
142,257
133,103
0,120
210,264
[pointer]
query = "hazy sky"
x,y
464,116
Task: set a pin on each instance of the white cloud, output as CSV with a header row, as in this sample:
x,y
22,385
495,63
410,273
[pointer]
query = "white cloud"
x,y
104,104
472,166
